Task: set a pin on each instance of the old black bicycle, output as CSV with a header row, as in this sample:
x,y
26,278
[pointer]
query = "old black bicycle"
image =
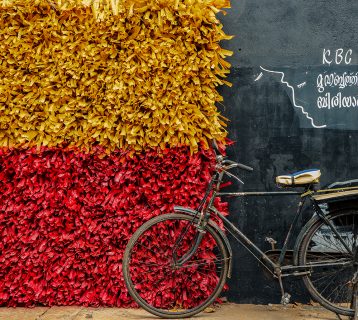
x,y
175,265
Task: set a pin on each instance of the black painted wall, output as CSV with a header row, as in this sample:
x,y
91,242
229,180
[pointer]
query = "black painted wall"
x,y
277,123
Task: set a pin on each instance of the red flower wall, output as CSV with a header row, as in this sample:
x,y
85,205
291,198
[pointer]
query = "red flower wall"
x,y
66,217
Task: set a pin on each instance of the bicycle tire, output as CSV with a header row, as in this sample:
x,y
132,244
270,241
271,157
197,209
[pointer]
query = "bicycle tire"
x,y
157,238
330,285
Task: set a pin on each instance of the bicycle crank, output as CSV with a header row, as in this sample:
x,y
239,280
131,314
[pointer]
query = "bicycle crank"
x,y
286,297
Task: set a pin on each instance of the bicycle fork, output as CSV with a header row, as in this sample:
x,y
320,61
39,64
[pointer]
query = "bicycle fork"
x,y
200,227
188,255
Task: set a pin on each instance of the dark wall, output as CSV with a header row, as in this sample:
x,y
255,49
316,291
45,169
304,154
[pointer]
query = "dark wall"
x,y
281,119
289,32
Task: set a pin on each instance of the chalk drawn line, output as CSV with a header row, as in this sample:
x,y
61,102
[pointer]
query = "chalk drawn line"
x,y
259,76
301,85
293,97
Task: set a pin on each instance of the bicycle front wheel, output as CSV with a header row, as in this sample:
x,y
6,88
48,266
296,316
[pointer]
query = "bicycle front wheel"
x,y
332,261
161,287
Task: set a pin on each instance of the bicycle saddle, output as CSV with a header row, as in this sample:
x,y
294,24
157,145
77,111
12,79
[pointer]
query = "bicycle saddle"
x,y
299,178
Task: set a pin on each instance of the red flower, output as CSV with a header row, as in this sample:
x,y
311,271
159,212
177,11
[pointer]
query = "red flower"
x,y
66,217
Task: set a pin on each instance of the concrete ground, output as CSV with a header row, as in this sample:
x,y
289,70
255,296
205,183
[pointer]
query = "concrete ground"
x,y
227,311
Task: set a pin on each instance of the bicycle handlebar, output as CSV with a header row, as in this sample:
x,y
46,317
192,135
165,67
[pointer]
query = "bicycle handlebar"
x,y
247,168
224,165
233,164
221,159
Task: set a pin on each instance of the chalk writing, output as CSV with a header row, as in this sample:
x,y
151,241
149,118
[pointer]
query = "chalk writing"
x,y
337,56
330,101
334,81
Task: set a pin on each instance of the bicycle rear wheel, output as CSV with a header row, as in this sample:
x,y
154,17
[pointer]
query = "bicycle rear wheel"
x,y
332,266
164,289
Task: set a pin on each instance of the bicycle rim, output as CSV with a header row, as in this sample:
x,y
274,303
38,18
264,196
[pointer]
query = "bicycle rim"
x,y
332,285
160,287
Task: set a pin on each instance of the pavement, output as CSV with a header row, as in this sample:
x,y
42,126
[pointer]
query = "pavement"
x,y
227,311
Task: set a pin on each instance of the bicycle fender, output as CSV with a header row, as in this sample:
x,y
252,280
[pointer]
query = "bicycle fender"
x,y
214,225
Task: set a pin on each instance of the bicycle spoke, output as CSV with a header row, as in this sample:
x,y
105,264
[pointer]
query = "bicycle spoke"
x,y
327,274
200,264
145,247
152,264
343,295
324,243
143,281
335,291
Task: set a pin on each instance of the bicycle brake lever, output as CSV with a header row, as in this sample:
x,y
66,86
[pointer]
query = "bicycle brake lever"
x,y
235,177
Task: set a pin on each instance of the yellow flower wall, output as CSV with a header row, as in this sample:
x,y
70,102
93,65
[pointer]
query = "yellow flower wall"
x,y
128,74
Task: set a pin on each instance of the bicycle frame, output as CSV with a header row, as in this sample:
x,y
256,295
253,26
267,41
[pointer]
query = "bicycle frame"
x,y
247,242
277,269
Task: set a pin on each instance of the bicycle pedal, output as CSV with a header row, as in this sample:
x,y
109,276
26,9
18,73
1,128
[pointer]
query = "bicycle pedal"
x,y
285,300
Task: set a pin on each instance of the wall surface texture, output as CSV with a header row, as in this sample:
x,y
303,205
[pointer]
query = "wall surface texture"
x,y
292,106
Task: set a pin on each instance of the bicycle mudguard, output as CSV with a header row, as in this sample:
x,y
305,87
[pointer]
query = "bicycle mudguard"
x,y
220,232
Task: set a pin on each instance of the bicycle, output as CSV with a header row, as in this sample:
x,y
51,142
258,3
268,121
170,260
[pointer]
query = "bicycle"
x,y
176,265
